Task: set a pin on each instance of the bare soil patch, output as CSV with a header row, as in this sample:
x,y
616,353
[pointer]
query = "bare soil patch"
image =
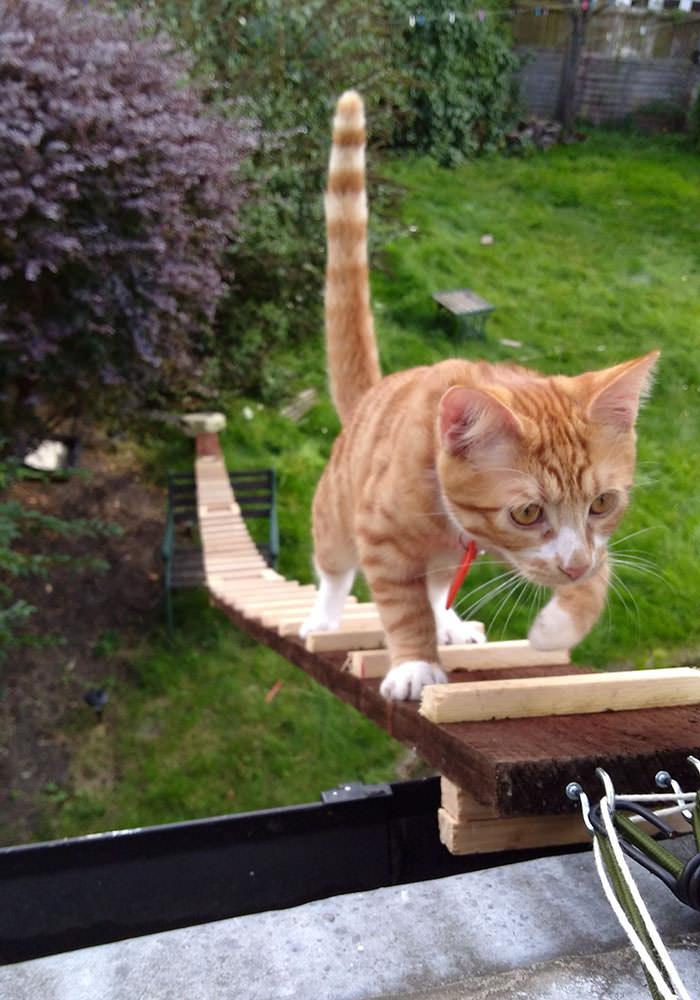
x,y
95,616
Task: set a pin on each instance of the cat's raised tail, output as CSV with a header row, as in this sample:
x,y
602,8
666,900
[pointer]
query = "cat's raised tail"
x,y
351,347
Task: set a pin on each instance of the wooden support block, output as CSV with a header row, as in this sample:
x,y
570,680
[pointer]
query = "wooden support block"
x,y
484,836
568,694
472,656
360,635
461,805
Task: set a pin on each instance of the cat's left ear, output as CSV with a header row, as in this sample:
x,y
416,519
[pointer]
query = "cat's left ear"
x,y
618,392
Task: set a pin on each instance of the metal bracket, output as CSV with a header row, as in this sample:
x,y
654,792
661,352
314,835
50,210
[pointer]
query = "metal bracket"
x,y
353,791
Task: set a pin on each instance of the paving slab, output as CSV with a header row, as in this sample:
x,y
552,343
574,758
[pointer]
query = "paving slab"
x,y
537,929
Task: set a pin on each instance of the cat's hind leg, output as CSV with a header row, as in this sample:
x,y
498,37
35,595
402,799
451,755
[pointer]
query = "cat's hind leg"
x,y
327,611
335,556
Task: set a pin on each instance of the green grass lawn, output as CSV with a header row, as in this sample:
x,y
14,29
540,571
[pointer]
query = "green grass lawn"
x,y
594,260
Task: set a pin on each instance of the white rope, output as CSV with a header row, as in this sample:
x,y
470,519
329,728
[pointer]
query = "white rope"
x,y
660,797
627,927
681,993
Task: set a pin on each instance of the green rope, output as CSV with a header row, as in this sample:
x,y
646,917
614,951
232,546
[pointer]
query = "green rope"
x,y
645,843
696,820
628,904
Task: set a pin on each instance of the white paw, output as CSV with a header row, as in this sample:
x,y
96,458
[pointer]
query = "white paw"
x,y
318,623
554,628
451,630
409,678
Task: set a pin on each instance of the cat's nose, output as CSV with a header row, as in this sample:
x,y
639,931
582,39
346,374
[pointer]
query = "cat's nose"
x,y
575,570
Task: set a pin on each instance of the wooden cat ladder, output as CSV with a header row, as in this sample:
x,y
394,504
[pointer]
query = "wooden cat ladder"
x,y
508,732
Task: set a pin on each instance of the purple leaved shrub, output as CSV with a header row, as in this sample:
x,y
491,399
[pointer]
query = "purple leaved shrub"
x,y
118,197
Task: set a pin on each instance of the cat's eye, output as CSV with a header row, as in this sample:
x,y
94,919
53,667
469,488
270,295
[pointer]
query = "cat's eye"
x,y
603,504
529,514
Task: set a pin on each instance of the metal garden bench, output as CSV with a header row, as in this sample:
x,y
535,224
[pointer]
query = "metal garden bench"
x,y
183,565
468,308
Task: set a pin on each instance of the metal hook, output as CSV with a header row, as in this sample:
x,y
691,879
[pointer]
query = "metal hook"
x,y
694,762
608,787
664,780
575,793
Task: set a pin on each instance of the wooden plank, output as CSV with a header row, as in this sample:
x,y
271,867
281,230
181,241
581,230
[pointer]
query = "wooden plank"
x,y
519,766
472,656
485,836
572,694
361,635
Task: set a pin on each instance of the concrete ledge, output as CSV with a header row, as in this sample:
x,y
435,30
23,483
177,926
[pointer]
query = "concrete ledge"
x,y
202,423
540,930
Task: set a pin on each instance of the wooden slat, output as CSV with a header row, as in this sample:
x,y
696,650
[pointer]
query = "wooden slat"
x,y
271,619
352,614
472,656
293,595
360,635
303,604
570,694
484,836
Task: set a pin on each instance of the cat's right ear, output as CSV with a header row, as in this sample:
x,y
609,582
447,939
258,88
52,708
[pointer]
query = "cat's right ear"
x,y
472,420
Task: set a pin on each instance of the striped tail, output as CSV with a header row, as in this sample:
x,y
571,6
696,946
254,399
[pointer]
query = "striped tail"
x,y
351,348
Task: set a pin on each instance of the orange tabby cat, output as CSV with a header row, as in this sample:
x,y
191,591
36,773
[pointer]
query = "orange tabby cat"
x,y
536,469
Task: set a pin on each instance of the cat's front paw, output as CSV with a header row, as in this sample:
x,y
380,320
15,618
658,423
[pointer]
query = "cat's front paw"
x,y
409,678
451,630
554,628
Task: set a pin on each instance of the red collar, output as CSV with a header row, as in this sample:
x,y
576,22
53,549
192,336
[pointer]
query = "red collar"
x,y
462,570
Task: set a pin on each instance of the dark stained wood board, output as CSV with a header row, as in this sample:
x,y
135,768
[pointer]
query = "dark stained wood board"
x,y
520,767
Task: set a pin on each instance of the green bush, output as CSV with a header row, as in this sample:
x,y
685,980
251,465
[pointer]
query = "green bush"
x,y
284,65
117,200
443,87
462,96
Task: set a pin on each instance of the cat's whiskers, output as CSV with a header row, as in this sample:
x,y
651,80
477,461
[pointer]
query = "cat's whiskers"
x,y
640,566
491,594
619,588
632,534
504,600
482,586
518,597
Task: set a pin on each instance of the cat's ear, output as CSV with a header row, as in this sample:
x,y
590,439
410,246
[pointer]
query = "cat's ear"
x,y
619,392
471,419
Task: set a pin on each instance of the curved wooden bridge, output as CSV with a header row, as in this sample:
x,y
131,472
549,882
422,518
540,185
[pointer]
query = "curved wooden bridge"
x,y
508,732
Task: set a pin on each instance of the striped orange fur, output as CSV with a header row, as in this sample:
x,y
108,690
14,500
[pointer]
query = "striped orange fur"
x,y
536,469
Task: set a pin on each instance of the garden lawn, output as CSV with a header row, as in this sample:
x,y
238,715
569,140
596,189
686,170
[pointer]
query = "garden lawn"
x,y
594,260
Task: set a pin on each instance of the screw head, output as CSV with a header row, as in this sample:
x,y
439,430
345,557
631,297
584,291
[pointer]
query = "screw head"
x,y
663,779
573,791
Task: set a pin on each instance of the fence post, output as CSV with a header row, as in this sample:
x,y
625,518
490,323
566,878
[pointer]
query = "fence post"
x,y
566,102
